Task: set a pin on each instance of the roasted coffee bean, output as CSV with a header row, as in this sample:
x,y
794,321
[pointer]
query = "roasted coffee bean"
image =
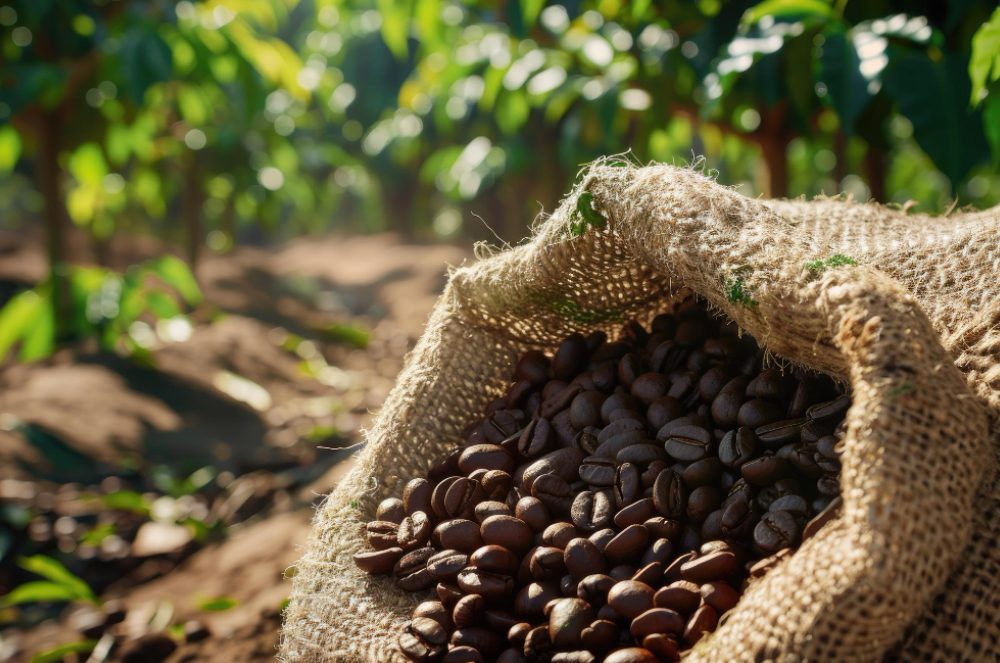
x,y
478,637
494,558
381,534
702,501
532,511
765,470
720,595
711,527
533,366
568,585
622,572
507,531
829,409
737,447
391,509
726,405
559,534
681,596
546,563
496,484
611,447
485,456
702,472
554,495
448,593
411,570
601,537
577,656
663,646
567,619
688,444
598,471
591,510
417,496
641,454
793,504
757,413
829,513
656,620
599,636
778,433
594,588
469,610
761,567
619,401
378,562
446,564
628,484
651,574
586,440
663,410
491,586
585,410
660,550
564,463
420,641
631,655
582,558
776,530
627,544
673,570
618,427
462,654
446,467
650,387
439,493
535,438
713,566
669,494
460,498
704,620
736,517
489,508
635,513
537,644
459,534
531,600
570,358
828,485
558,402
630,598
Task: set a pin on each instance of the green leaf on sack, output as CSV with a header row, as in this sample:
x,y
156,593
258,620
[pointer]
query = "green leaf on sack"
x,y
984,65
571,310
58,654
585,215
348,334
737,293
836,260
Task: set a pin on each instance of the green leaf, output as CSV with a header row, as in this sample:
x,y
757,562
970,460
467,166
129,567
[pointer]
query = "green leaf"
x,y
396,25
348,334
40,341
984,66
53,570
787,10
839,69
127,500
18,317
145,60
933,95
991,123
87,165
218,604
10,148
38,591
530,9
177,275
58,654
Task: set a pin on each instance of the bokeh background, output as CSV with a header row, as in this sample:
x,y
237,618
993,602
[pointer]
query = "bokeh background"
x,y
223,223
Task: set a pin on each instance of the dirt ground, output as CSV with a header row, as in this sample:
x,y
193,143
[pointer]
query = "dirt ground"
x,y
266,438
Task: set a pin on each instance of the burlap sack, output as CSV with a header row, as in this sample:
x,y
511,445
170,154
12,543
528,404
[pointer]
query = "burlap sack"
x,y
913,564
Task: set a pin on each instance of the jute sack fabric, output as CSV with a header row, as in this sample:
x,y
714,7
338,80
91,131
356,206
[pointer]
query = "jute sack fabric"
x,y
902,307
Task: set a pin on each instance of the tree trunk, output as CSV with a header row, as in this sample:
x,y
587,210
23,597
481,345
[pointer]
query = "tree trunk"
x,y
776,160
49,175
875,173
191,203
840,153
229,220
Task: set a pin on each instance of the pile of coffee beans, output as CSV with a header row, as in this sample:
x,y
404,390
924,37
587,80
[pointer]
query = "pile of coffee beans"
x,y
616,501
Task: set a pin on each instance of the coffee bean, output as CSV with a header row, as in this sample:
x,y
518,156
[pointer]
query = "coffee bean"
x,y
564,463
554,495
446,564
489,508
546,563
737,447
381,534
535,438
417,496
793,504
611,447
601,537
378,562
702,472
688,444
651,574
494,558
591,510
559,534
627,484
663,410
765,470
416,649
630,598
411,570
704,620
669,494
594,588
390,509
537,644
489,585
702,501
460,534
532,511
641,454
681,596
778,433
831,512
558,402
578,656
713,566
619,401
507,531
532,598
720,595
598,471
533,366
570,358
829,409
673,570
776,530
585,410
635,513
567,619
631,655
469,610
582,558
656,620
462,654
726,405
627,544
485,456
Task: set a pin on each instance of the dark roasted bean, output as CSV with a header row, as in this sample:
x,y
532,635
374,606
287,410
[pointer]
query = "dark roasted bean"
x,y
656,620
776,530
630,598
567,619
582,558
591,510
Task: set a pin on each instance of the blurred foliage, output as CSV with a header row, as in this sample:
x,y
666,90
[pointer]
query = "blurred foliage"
x,y
212,122
59,586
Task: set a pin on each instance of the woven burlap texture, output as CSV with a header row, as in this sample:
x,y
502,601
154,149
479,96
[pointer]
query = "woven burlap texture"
x,y
912,566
